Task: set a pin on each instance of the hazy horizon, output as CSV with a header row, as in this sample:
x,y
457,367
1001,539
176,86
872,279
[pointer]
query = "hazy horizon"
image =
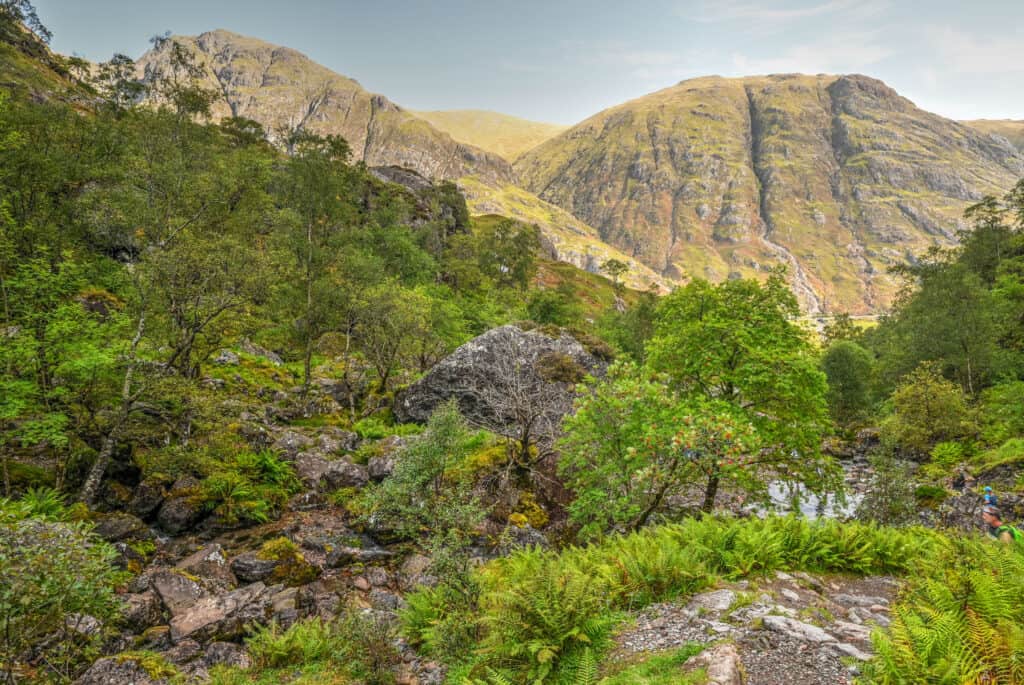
x,y
562,62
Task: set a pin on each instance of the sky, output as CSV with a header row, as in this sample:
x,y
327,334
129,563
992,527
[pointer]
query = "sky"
x,y
562,61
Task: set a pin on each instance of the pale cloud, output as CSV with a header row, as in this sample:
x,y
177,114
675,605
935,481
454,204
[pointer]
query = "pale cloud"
x,y
960,52
775,14
837,53
647,68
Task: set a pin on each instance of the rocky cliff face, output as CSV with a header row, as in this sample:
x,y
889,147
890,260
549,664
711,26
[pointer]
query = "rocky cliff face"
x,y
282,88
836,177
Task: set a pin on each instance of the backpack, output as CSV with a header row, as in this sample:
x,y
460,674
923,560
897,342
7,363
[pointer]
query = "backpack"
x,y
1017,535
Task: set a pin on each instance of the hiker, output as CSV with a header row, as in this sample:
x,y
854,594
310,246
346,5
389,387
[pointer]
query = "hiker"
x,y
989,497
1003,532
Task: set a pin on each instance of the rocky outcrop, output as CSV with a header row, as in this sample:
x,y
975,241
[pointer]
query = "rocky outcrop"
x,y
835,177
283,89
500,374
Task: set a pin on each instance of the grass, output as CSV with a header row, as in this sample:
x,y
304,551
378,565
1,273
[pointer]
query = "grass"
x,y
663,668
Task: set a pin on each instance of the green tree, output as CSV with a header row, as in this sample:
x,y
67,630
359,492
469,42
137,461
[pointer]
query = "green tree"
x,y
926,409
23,13
316,187
848,367
616,269
630,330
736,343
633,442
841,327
508,252
555,306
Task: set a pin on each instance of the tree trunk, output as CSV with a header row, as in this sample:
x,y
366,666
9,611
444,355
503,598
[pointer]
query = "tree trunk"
x,y
7,475
91,487
710,492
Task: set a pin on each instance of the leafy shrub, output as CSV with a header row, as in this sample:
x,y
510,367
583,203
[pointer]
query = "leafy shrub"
x,y
250,487
44,502
50,573
890,493
927,410
366,642
426,492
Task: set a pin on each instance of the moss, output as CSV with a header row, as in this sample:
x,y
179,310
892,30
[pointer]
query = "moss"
x,y
24,476
292,568
484,459
529,511
155,665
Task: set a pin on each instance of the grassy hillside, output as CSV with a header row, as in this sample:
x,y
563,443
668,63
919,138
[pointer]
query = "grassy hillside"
x,y
28,68
501,134
1012,130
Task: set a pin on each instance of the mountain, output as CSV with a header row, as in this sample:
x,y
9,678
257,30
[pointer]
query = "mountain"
x,y
501,134
836,177
282,88
565,238
1012,130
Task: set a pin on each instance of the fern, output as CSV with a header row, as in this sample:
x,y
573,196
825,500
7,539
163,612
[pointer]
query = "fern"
x,y
961,624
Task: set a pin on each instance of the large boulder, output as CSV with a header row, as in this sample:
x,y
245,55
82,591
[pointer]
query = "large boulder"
x,y
225,616
343,474
250,568
141,611
176,590
210,565
498,375
183,508
121,526
148,496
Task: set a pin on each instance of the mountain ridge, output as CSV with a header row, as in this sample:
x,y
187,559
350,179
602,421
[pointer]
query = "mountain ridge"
x,y
282,88
837,177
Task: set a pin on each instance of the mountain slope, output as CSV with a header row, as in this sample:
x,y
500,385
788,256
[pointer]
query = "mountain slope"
x,y
501,134
283,89
1012,130
836,177
565,237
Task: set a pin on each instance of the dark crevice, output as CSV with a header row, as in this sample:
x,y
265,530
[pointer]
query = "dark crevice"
x,y
754,143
